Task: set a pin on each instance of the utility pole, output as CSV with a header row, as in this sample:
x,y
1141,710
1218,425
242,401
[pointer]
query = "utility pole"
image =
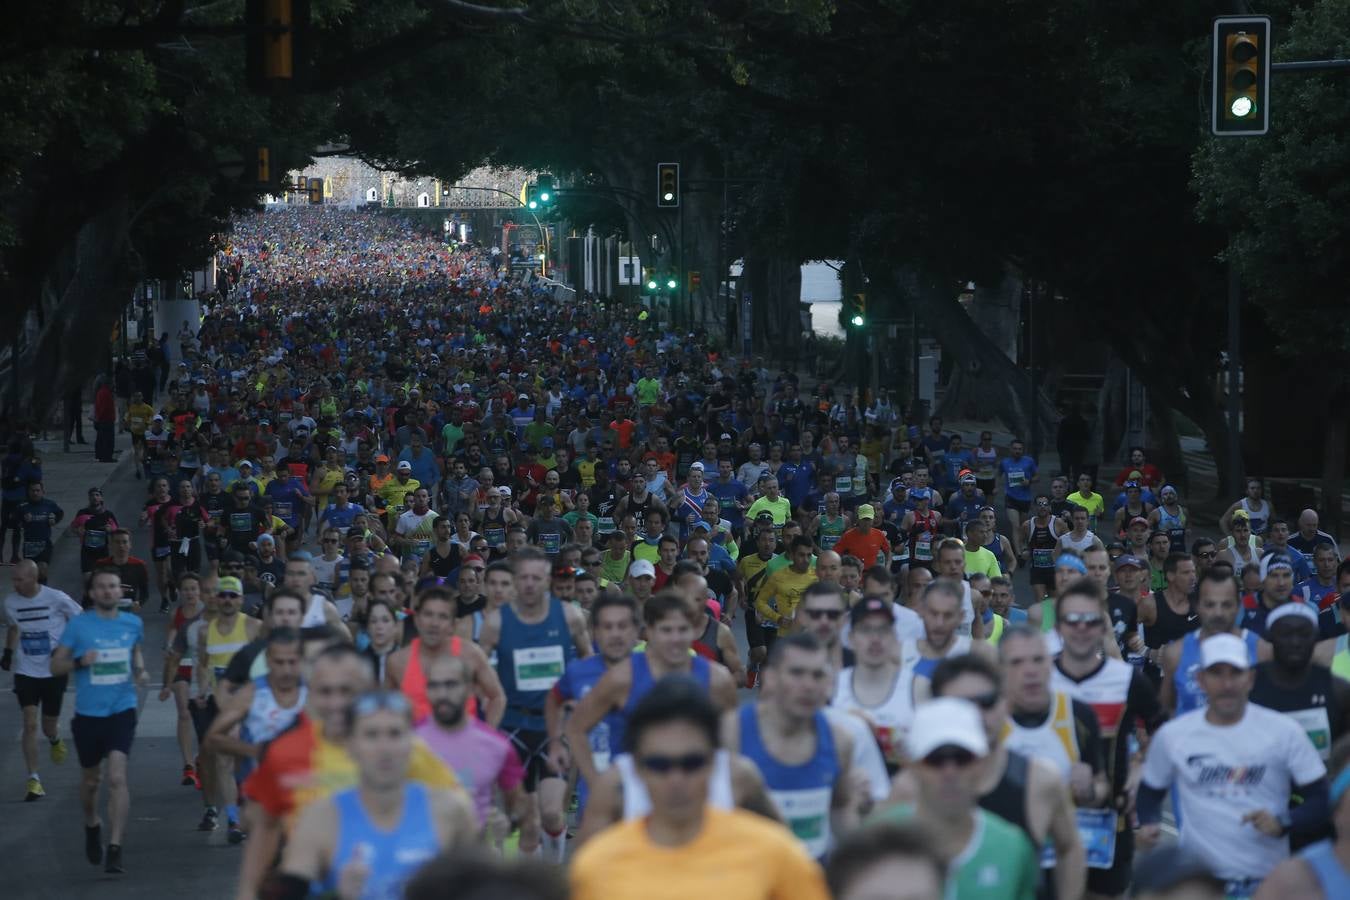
x,y
1234,405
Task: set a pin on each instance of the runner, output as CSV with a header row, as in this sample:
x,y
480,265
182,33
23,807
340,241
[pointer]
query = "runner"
x,y
940,608
1233,766
103,648
1019,474
1121,697
879,686
406,668
894,861
868,544
987,857
179,662
1292,683
1216,608
777,598
92,526
1168,615
367,840
688,831
135,575
1255,508
534,637
921,529
806,760
37,615
38,515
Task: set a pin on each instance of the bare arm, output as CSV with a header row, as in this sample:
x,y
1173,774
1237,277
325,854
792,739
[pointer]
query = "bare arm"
x,y
731,656
264,838
604,807
609,692
722,688
748,787
489,686
1167,689
310,844
232,712
576,624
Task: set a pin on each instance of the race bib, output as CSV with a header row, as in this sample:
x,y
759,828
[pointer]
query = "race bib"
x,y
1097,831
843,484
985,472
33,549
537,668
95,540
901,556
35,643
923,550
241,522
550,543
496,536
421,547
1016,478
113,666
827,541
1042,559
1317,726
807,813
282,508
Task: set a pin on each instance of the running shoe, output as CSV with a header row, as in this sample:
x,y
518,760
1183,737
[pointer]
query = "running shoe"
x,y
235,835
210,820
114,864
93,843
751,678
164,605
35,791
189,777
59,751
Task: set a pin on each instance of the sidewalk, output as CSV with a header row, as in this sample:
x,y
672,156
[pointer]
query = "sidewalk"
x,y
67,478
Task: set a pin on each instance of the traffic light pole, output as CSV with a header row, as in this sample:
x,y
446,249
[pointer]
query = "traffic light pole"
x,y
1234,405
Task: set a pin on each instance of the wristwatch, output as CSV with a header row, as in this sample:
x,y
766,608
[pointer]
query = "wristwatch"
x,y
1286,821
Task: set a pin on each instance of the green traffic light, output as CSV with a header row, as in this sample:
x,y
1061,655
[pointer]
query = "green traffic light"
x,y
672,284
857,320
533,205
651,285
545,196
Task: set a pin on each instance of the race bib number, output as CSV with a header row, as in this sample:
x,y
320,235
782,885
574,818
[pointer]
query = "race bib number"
x,y
496,536
985,472
1042,559
1316,724
283,509
1017,478
34,549
1097,831
537,668
843,484
550,543
35,643
113,666
241,522
827,541
95,540
923,550
807,814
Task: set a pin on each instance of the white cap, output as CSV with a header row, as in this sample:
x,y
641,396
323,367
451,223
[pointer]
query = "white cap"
x,y
1293,607
696,465
641,567
1227,649
946,721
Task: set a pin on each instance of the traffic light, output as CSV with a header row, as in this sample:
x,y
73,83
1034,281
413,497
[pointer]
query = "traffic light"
x,y
315,188
668,185
1241,74
857,312
547,190
275,37
263,170
672,283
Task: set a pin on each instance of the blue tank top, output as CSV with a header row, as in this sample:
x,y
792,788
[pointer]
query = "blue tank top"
x,y
996,547
803,793
391,856
1189,695
577,682
1321,858
1175,528
641,684
530,659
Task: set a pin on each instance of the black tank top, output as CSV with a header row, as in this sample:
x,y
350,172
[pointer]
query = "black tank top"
x,y
639,511
1315,693
1008,799
1044,540
1168,625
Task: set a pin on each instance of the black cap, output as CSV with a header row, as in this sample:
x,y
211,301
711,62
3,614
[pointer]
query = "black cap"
x,y
764,516
871,606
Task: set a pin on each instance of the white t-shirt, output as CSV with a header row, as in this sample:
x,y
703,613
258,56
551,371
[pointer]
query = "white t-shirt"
x,y
908,626
1221,772
40,620
866,754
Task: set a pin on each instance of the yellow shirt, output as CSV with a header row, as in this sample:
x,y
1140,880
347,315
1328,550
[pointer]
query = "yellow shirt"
x,y
138,417
737,856
779,597
982,560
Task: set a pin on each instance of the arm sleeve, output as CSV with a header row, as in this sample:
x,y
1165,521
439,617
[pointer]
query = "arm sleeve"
x,y
1149,804
1090,743
1313,811
1157,772
1143,701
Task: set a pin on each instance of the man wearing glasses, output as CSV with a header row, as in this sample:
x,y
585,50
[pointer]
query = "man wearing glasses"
x,y
1120,695
690,829
988,857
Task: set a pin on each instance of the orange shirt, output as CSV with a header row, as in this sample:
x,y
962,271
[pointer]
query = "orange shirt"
x,y
872,548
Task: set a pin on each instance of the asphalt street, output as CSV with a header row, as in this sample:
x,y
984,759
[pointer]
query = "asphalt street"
x,y
42,843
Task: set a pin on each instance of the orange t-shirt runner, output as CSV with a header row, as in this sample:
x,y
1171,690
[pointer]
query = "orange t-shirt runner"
x,y
414,684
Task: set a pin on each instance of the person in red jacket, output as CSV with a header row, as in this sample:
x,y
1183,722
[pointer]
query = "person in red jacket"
x,y
105,421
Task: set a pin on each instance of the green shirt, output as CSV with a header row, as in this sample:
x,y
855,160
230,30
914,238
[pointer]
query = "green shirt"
x,y
780,509
535,432
982,560
648,391
998,863
451,434
572,518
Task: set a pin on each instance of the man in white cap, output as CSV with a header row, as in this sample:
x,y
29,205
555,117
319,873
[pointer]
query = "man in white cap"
x,y
1233,766
988,857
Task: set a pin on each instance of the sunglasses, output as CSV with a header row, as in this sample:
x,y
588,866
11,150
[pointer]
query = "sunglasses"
x,y
956,756
688,763
1212,554
1089,619
987,700
375,701
833,615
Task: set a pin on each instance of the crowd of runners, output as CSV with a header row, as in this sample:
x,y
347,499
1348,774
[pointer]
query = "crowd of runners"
x,y
453,565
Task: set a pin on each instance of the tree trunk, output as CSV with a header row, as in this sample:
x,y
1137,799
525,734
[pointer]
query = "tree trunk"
x,y
986,384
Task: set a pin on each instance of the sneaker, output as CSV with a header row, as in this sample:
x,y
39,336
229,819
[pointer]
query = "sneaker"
x,y
210,820
59,751
235,835
93,844
189,776
164,605
751,678
114,864
35,791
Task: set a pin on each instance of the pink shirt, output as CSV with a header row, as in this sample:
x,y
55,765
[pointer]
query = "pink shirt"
x,y
480,756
